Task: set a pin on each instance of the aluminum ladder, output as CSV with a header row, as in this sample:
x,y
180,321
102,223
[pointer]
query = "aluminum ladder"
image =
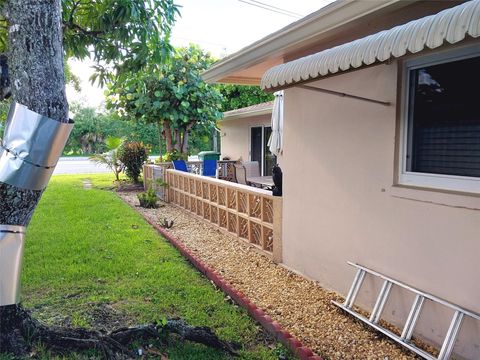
x,y
407,332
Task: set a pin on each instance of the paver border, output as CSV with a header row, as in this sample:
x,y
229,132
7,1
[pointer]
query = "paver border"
x,y
271,326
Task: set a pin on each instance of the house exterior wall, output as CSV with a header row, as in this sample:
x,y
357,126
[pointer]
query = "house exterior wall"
x,y
340,204
235,135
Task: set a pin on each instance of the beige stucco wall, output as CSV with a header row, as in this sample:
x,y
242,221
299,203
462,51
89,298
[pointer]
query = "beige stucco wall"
x,y
340,204
235,135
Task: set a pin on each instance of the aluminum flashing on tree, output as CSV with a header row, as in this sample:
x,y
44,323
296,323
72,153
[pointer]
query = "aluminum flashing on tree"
x,y
451,26
31,147
11,254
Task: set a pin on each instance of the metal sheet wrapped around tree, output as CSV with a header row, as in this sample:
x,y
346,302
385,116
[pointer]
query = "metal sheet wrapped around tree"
x,y
31,147
11,255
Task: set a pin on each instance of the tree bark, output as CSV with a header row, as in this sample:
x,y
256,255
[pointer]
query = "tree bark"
x,y
37,81
186,134
160,139
36,56
168,136
178,140
35,63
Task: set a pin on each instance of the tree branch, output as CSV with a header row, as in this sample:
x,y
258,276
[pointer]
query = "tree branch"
x,y
79,29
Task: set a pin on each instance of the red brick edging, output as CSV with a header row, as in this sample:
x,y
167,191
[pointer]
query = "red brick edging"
x,y
270,325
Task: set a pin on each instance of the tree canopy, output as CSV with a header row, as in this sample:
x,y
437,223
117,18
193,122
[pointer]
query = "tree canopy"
x,y
173,95
119,35
240,96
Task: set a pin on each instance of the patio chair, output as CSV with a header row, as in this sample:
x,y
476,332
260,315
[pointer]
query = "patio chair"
x,y
180,165
209,167
252,168
240,174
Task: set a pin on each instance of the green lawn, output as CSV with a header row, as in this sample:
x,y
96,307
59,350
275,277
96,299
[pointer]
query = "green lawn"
x,y
92,261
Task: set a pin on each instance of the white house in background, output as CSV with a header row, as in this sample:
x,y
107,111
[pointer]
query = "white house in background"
x,y
244,135
381,150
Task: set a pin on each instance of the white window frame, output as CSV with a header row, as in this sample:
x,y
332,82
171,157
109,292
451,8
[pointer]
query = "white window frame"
x,y
436,181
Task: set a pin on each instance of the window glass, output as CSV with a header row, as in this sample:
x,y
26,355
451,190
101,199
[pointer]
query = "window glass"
x,y
270,159
444,119
256,144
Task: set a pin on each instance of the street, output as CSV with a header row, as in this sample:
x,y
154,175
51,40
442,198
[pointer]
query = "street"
x,y
78,165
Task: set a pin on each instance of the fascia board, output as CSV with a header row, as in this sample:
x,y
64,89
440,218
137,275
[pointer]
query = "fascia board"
x,y
331,17
247,114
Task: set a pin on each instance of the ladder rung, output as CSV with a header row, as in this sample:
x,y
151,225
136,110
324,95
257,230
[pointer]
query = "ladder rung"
x,y
415,311
451,336
390,334
412,318
352,293
416,291
381,301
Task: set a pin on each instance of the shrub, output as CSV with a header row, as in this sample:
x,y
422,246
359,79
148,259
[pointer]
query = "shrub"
x,y
175,155
148,199
133,155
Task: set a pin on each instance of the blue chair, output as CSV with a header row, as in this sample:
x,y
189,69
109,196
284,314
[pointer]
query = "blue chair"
x,y
180,165
209,167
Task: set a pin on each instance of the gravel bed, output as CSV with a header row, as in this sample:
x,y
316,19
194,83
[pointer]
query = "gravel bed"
x,y
301,306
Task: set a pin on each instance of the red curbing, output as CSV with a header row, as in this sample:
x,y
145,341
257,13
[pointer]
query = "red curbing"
x,y
271,326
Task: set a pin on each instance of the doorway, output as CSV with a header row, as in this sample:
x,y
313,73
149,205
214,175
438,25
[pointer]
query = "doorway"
x,y
259,150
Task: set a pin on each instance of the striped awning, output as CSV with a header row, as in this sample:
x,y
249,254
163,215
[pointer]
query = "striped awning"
x,y
451,25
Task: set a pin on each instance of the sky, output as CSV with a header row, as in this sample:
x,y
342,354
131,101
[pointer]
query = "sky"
x,y
220,26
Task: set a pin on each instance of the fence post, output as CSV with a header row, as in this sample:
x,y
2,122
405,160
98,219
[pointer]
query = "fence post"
x,y
147,173
277,229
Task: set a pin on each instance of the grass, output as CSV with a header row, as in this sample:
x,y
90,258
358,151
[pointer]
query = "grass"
x,y
87,253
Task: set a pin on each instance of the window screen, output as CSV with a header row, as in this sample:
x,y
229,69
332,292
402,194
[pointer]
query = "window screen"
x,y
444,119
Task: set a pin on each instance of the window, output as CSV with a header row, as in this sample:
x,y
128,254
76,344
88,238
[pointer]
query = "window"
x,y
441,129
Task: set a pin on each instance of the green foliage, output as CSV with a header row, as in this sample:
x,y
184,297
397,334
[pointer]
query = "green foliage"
x,y
240,96
133,155
121,35
70,77
175,155
148,199
172,95
88,134
92,128
111,158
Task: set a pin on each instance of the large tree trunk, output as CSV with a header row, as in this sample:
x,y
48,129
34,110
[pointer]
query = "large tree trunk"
x,y
37,81
178,140
36,74
160,139
168,136
185,136
36,56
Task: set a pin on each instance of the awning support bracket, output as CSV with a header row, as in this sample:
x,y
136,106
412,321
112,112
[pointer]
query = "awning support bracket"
x,y
338,93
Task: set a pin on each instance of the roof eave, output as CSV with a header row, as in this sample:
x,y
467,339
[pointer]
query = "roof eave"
x,y
331,17
247,114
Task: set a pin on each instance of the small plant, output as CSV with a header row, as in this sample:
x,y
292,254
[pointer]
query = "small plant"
x,y
175,155
148,199
111,157
159,182
133,155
